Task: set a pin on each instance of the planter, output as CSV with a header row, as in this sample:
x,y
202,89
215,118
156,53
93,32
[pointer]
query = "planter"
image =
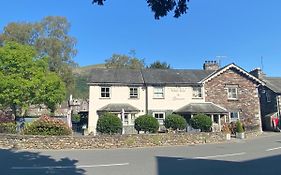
x,y
240,135
228,136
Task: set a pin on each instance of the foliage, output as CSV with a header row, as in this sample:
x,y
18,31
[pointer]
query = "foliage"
x,y
109,123
46,125
159,65
5,117
75,118
226,129
201,121
50,39
25,79
81,87
8,127
146,123
162,7
51,91
175,122
124,61
239,127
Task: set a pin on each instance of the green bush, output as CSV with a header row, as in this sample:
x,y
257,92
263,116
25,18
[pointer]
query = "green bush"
x,y
8,127
239,127
75,118
146,123
46,125
109,124
175,122
201,121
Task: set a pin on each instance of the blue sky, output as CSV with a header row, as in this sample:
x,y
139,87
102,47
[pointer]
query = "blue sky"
x,y
240,31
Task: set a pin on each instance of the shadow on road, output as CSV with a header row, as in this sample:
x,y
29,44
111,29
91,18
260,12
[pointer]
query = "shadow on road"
x,y
31,163
263,166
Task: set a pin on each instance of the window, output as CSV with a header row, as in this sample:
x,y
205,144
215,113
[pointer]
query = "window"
x,y
268,97
160,116
134,92
197,92
126,119
234,116
232,93
158,92
105,92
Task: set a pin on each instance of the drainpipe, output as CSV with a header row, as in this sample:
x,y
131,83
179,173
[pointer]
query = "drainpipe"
x,y
146,99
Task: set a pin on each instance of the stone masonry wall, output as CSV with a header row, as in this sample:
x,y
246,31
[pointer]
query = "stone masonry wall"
x,y
107,142
247,104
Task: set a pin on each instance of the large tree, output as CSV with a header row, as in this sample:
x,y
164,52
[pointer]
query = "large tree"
x,y
50,37
159,65
124,61
162,7
25,79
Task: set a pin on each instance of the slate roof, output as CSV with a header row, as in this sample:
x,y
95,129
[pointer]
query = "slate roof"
x,y
117,107
120,76
148,76
174,76
273,83
201,108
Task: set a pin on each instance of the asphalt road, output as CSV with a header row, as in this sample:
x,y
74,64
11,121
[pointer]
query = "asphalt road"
x,y
259,156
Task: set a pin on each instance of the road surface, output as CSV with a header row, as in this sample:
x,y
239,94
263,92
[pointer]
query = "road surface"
x,y
259,156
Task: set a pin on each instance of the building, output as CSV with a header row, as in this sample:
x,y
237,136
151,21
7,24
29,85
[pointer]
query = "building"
x,y
270,98
225,94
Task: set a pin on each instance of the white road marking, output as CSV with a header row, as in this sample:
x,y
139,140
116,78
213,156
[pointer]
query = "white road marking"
x,y
217,156
69,167
272,149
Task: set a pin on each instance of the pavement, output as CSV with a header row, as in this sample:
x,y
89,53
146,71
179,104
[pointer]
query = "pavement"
x,y
255,156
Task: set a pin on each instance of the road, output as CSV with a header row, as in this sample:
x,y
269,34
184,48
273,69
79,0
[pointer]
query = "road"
x,y
259,156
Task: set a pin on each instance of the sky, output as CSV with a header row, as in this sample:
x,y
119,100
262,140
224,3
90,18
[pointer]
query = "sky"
x,y
246,32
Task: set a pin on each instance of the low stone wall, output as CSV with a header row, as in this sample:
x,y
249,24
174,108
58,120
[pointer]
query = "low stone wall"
x,y
107,142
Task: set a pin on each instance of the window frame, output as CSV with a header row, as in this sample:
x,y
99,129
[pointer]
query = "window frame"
x,y
155,93
236,119
134,95
230,93
160,120
196,93
105,92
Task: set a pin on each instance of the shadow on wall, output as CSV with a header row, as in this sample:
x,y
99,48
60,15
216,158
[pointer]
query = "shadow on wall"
x,y
263,166
31,163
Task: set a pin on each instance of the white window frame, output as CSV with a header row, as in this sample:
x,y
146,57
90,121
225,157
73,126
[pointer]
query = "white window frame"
x,y
160,120
231,94
105,92
197,92
135,92
232,119
158,92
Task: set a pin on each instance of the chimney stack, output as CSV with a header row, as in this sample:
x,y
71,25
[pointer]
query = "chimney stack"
x,y
211,65
258,73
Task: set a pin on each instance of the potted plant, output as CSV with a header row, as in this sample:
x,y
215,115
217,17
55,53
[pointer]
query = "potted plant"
x,y
225,129
239,130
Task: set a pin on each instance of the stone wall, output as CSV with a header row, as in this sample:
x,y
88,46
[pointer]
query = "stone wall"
x,y
247,104
107,142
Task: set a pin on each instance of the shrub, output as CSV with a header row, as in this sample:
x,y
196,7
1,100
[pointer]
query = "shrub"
x,y
239,127
146,123
201,121
226,129
75,118
109,124
46,125
175,122
8,127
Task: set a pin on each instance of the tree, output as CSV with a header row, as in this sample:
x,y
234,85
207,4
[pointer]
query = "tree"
x,y
124,61
175,122
25,79
162,7
159,65
50,38
146,123
109,123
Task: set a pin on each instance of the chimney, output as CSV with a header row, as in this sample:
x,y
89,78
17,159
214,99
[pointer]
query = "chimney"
x,y
211,65
258,73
